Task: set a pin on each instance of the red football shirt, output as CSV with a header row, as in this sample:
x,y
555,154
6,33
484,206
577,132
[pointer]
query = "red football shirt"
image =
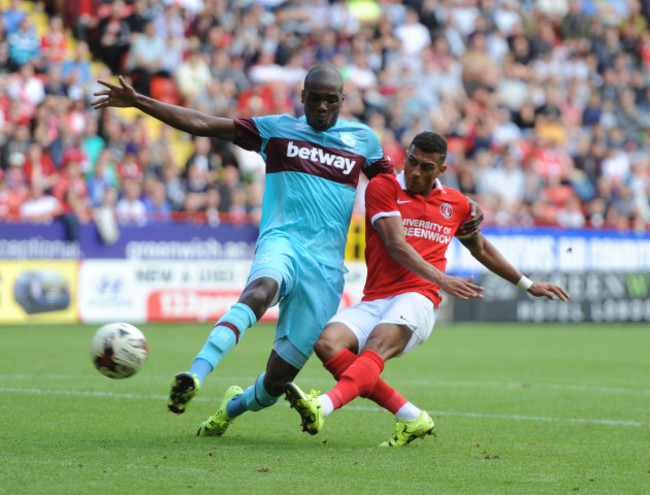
x,y
429,225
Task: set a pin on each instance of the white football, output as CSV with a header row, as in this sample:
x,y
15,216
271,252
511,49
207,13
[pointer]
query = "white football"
x,y
118,350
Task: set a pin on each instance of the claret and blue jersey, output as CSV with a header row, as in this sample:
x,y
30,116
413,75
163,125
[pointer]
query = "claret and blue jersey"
x,y
311,178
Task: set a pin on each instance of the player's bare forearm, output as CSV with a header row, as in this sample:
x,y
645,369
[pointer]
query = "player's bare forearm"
x,y
490,257
187,119
181,118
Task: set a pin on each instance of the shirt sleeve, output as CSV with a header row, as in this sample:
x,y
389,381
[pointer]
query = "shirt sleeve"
x,y
248,135
378,162
464,204
381,198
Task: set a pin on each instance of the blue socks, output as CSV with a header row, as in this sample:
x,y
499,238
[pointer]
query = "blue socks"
x,y
224,336
254,398
201,368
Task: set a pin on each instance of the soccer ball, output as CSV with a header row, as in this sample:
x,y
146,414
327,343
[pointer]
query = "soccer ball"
x,y
118,350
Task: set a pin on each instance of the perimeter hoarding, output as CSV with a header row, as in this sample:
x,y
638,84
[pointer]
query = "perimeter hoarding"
x,y
141,291
38,291
187,272
597,297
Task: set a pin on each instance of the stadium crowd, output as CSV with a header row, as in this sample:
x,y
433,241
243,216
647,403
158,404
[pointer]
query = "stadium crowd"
x,y
545,103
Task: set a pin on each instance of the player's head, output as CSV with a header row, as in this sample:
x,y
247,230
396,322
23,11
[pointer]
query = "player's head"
x,y
322,97
424,162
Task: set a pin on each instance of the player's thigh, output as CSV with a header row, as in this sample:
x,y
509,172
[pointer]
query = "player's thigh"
x,y
313,300
413,311
360,319
274,258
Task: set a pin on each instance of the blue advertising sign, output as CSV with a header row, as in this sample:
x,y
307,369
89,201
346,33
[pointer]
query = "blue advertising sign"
x,y
164,241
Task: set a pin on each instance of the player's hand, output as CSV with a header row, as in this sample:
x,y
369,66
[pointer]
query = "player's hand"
x,y
539,289
471,226
115,96
459,287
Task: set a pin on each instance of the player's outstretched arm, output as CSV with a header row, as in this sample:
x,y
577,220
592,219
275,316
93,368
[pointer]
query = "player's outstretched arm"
x,y
490,257
181,118
391,231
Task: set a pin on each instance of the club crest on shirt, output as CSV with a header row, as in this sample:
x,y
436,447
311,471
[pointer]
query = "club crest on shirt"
x,y
348,139
446,210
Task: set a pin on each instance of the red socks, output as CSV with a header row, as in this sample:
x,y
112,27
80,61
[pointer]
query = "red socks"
x,y
381,393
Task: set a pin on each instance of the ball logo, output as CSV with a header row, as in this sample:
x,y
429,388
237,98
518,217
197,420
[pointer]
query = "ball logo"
x,y
446,210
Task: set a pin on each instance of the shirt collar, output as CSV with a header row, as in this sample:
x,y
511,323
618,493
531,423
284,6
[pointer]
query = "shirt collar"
x,y
402,182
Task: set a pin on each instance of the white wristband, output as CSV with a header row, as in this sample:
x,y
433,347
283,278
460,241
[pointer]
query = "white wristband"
x,y
524,283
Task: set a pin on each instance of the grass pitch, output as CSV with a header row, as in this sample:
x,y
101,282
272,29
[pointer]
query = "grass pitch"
x,y
518,409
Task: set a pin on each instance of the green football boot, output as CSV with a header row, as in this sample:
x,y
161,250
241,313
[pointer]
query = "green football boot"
x,y
184,387
308,406
407,431
217,424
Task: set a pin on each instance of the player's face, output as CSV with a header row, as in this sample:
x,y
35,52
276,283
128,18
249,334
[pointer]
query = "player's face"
x,y
421,170
322,101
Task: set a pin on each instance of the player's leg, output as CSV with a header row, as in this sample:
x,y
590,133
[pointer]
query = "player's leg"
x,y
272,275
303,311
338,345
226,333
416,314
343,332
265,392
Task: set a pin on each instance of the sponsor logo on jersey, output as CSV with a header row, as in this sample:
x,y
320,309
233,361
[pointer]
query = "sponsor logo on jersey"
x,y
318,155
415,227
446,210
402,201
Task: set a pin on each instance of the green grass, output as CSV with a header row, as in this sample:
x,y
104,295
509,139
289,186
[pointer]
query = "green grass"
x,y
518,410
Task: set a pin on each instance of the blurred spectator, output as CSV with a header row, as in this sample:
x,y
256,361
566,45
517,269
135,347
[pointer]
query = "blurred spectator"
x,y
571,216
114,36
13,16
54,43
141,15
230,181
174,184
72,177
202,158
156,204
17,142
413,35
76,71
169,22
27,89
212,203
145,58
40,207
102,175
24,45
40,167
130,209
193,75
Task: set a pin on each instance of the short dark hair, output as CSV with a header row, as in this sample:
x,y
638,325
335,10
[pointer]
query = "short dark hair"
x,y
430,142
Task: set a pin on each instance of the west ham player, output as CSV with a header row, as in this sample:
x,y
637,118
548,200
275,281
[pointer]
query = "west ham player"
x,y
410,220
312,169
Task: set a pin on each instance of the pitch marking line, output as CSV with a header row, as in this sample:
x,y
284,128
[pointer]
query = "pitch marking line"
x,y
410,382
81,393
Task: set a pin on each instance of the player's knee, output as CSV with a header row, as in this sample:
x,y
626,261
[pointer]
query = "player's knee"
x,y
326,348
259,294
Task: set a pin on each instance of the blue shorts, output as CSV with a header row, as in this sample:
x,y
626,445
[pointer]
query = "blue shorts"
x,y
310,295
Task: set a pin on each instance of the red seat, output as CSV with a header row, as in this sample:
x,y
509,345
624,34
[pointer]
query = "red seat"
x,y
165,90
